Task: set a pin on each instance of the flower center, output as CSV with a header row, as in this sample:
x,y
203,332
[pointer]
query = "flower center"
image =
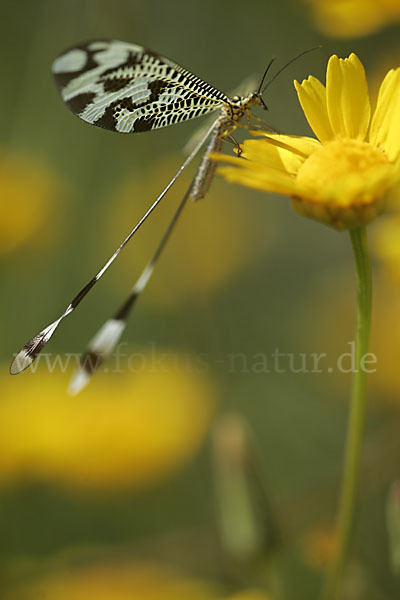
x,y
337,163
342,182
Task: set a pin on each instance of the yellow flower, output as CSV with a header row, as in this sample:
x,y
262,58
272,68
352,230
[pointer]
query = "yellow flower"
x,y
350,18
127,429
342,178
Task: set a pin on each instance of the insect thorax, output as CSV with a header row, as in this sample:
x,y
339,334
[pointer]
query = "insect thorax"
x,y
240,105
231,115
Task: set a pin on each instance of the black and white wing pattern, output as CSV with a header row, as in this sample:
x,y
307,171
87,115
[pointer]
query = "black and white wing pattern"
x,y
124,87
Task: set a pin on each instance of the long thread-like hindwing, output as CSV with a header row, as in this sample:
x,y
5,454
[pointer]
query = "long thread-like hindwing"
x,y
124,87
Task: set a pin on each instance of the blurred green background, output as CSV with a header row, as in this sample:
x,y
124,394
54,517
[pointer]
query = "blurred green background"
x,y
244,276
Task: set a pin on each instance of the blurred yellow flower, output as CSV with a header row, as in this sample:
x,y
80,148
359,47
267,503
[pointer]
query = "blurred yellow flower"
x,y
125,430
386,245
331,336
386,338
215,240
318,547
125,581
352,18
28,191
342,179
117,582
250,595
385,383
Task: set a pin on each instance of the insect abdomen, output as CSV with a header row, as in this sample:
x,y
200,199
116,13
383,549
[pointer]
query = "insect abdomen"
x,y
206,170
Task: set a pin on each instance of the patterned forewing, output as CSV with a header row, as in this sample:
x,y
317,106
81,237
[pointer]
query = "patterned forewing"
x,y
124,87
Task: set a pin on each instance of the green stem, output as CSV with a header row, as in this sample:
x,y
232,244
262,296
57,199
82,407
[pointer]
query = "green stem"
x,y
355,433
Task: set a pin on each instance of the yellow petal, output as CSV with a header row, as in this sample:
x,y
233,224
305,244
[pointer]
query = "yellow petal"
x,y
347,97
385,126
300,145
312,97
276,151
268,180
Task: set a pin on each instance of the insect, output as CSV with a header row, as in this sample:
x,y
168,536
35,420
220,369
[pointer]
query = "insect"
x,y
126,88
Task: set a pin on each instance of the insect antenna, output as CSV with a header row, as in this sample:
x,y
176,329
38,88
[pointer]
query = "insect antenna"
x,y
259,92
107,337
35,345
292,60
265,74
